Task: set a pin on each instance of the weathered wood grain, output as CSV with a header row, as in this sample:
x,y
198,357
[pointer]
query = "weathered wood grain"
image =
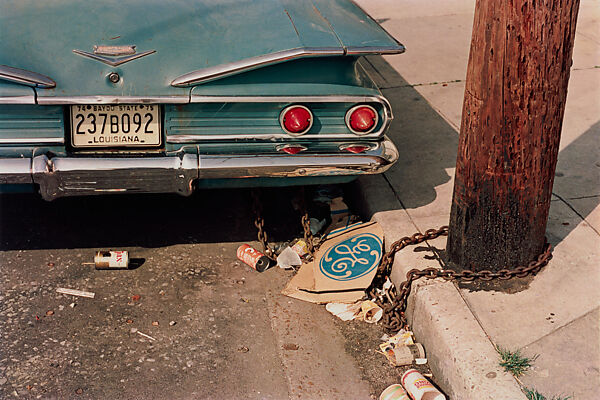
x,y
516,86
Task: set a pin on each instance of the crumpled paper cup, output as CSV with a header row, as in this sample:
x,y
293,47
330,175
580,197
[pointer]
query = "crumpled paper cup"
x,y
371,312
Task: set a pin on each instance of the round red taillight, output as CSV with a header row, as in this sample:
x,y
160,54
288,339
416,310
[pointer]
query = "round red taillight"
x,y
296,120
362,119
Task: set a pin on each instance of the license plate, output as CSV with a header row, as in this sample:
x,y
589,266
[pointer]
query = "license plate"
x,y
117,125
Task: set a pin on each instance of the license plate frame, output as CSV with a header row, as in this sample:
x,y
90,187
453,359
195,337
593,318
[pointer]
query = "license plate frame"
x,y
94,126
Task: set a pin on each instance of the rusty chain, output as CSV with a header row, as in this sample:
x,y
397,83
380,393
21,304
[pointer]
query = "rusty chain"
x,y
393,300
308,236
259,223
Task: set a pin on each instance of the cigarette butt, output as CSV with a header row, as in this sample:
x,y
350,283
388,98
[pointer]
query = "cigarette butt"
x,y
75,292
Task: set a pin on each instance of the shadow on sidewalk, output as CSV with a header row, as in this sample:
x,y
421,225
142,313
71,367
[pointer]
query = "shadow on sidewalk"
x,y
577,181
428,144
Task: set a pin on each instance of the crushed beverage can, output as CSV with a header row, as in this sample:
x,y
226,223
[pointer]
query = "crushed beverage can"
x,y
254,258
111,259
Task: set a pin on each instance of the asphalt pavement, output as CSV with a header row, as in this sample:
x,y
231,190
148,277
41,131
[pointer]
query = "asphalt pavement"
x,y
189,322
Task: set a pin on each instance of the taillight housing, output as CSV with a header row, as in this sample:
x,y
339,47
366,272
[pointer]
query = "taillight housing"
x,y
296,120
362,119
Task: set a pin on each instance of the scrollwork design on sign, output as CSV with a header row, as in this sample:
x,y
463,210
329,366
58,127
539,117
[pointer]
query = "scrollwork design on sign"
x,y
352,258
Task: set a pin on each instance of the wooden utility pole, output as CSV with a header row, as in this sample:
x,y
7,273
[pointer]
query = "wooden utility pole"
x,y
515,93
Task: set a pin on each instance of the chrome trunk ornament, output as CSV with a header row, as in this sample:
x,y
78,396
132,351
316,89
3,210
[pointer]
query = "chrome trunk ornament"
x,y
113,55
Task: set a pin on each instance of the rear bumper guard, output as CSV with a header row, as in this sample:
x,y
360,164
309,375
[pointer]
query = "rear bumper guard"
x,y
72,176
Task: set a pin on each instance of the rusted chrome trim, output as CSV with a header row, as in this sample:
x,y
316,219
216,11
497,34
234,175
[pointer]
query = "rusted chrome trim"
x,y
113,62
34,140
286,166
64,176
223,70
113,100
349,114
67,176
282,116
15,171
25,77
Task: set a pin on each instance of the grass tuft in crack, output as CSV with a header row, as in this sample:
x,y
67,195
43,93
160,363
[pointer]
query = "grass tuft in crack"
x,y
533,394
514,362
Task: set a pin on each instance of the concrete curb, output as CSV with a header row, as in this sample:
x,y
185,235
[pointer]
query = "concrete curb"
x,y
460,354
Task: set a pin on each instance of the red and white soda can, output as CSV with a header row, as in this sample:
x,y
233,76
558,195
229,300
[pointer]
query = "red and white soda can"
x,y
111,259
394,392
419,388
254,258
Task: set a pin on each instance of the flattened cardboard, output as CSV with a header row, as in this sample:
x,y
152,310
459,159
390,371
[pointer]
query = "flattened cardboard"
x,y
343,267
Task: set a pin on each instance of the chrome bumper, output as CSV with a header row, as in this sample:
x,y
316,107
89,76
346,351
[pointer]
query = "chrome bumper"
x,y
72,176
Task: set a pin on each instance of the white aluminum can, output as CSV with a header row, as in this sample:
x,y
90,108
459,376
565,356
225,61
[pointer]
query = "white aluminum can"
x,y
111,259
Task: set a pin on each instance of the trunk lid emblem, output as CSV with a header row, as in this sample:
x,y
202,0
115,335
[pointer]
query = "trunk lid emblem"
x,y
113,55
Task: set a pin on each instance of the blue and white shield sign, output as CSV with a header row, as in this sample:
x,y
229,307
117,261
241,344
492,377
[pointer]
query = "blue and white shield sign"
x,y
352,258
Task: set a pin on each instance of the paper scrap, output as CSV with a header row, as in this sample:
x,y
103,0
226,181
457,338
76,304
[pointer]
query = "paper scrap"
x,y
344,311
75,292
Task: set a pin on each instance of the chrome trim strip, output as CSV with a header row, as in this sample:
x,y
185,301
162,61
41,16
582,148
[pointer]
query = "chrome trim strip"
x,y
299,165
25,77
288,99
363,50
113,62
113,100
18,100
228,69
179,139
39,140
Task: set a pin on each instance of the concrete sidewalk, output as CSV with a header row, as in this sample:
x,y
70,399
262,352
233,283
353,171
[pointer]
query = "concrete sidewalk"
x,y
556,314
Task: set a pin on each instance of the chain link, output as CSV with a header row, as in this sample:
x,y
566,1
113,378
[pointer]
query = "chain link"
x,y
259,223
393,302
305,220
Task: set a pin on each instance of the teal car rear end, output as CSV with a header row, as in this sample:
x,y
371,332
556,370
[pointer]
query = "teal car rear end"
x,y
192,94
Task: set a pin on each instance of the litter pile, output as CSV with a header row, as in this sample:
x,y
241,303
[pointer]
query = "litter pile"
x,y
338,274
